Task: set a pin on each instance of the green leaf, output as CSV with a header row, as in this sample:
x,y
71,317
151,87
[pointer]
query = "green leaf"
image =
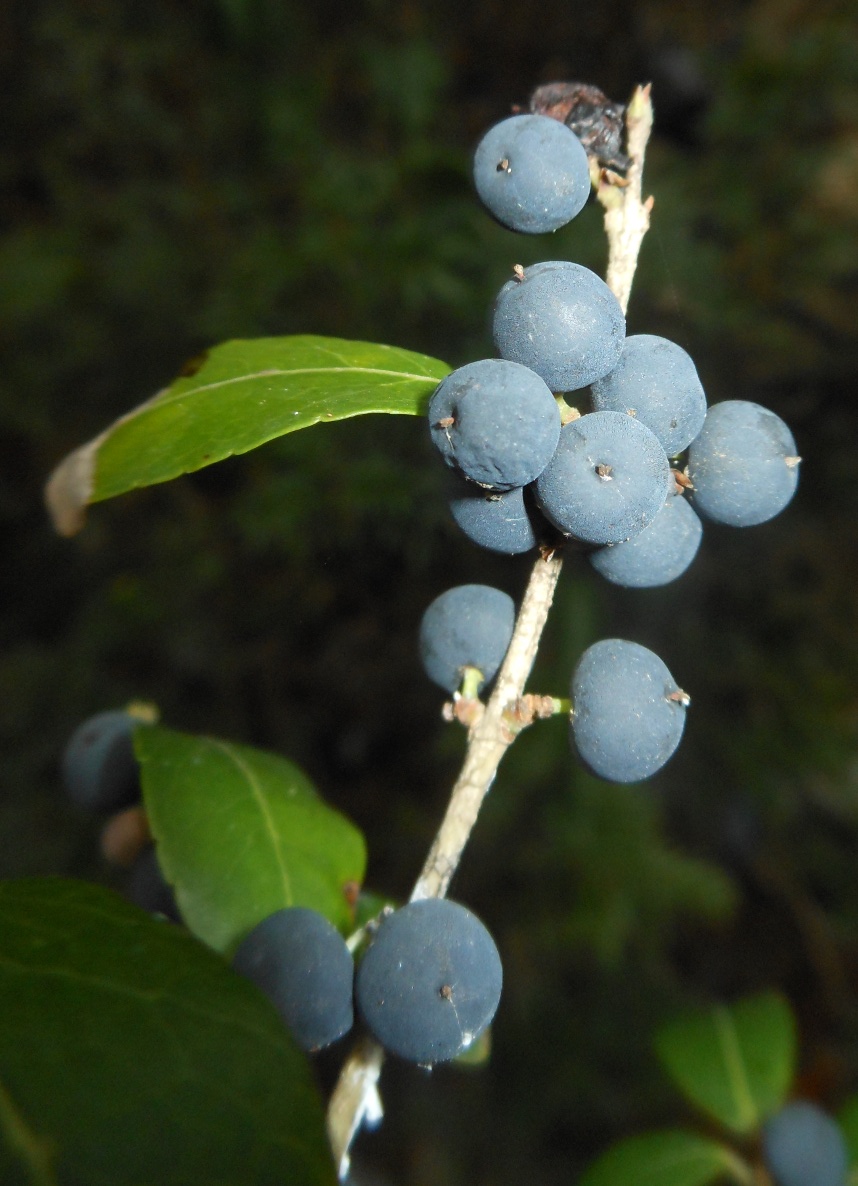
x,y
735,1064
669,1158
131,1054
242,833
847,1118
238,396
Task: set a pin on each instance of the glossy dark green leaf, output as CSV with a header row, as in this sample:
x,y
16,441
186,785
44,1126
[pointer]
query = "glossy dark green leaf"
x,y
669,1158
736,1064
236,397
132,1054
242,833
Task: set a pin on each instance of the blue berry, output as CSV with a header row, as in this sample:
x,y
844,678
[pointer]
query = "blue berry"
x,y
561,320
496,422
743,464
656,381
99,769
149,889
498,521
468,626
301,963
804,1146
659,554
532,173
607,481
430,982
628,713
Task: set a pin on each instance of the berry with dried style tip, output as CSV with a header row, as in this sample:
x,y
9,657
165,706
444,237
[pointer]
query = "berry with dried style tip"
x,y
531,174
302,964
495,422
430,982
560,320
468,626
628,712
607,480
743,464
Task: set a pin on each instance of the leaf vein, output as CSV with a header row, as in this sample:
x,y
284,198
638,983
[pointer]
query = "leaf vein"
x,y
265,811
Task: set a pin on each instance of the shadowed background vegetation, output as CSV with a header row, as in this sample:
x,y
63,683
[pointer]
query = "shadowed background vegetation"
x,y
176,175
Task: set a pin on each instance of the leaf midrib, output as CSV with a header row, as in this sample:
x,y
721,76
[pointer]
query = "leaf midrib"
x,y
175,396
265,811
735,1067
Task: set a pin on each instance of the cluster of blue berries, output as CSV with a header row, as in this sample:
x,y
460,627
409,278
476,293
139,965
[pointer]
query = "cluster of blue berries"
x,y
625,483
611,479
426,987
628,480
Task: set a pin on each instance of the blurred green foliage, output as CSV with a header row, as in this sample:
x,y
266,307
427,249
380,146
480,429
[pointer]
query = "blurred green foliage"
x,y
178,175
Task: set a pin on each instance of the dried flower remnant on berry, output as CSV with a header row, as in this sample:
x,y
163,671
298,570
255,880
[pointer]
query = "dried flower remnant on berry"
x,y
595,119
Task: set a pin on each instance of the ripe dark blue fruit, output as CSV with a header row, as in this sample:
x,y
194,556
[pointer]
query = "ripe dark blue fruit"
x,y
430,982
804,1146
628,713
531,172
607,480
99,769
495,422
656,381
743,464
301,962
149,889
468,626
659,554
498,521
562,321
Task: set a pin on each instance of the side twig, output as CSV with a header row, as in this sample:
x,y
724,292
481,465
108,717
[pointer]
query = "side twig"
x,y
355,1099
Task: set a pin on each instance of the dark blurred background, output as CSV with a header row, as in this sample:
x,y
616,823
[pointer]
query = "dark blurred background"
x,y
175,174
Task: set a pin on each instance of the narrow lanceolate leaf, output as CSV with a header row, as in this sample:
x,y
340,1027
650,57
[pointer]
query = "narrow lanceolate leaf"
x,y
735,1064
236,397
242,833
130,1054
670,1158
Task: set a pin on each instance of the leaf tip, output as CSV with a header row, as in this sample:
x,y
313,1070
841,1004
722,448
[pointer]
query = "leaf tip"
x,y
69,489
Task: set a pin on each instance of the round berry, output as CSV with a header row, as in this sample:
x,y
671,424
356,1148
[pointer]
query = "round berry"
x,y
743,464
607,480
562,321
302,964
99,769
468,626
658,554
498,521
531,172
495,422
656,381
804,1146
430,982
628,713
